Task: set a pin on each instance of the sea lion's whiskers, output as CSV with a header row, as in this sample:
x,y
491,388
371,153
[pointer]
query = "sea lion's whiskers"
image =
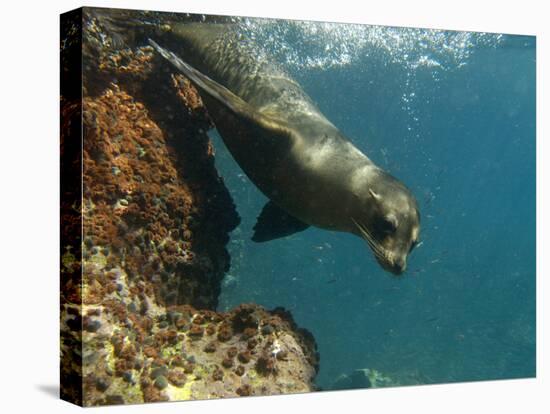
x,y
376,246
370,239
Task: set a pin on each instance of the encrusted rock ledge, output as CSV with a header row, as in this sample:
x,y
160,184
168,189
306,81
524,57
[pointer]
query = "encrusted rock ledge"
x,y
155,220
180,353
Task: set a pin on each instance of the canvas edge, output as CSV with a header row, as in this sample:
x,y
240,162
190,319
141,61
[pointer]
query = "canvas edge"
x,y
70,366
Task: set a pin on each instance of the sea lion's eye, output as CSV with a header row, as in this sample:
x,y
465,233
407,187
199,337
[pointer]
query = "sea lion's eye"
x,y
389,224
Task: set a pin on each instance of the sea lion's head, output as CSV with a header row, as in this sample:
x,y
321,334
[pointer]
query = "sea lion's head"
x,y
388,220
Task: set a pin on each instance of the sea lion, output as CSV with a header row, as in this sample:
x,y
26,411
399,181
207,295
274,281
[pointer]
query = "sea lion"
x,y
311,173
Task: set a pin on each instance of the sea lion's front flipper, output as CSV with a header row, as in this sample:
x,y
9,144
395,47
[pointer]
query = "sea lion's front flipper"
x,y
273,223
279,134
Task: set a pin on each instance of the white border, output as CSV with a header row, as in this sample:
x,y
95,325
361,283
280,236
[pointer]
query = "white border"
x,y
29,203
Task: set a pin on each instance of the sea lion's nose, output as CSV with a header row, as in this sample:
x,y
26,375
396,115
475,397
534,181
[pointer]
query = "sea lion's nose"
x,y
399,266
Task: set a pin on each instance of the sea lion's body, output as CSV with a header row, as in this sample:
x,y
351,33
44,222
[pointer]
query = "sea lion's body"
x,y
285,145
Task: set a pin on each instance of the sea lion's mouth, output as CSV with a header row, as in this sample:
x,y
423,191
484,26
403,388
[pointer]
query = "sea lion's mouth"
x,y
392,266
380,253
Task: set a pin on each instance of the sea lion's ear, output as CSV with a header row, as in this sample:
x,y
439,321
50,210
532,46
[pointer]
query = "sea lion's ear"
x,y
374,195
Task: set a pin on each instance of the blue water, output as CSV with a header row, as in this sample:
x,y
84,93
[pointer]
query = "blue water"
x,y
452,115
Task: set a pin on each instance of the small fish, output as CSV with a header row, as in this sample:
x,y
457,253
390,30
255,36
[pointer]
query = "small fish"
x,y
433,319
332,280
435,261
429,198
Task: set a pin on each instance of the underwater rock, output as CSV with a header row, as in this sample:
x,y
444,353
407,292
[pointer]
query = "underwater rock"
x,y
125,366
138,331
139,213
140,284
363,378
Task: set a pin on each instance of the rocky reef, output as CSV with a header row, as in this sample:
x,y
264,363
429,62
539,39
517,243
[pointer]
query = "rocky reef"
x,y
143,245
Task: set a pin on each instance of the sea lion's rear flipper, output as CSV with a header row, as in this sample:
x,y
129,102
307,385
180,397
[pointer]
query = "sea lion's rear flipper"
x,y
273,223
279,134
